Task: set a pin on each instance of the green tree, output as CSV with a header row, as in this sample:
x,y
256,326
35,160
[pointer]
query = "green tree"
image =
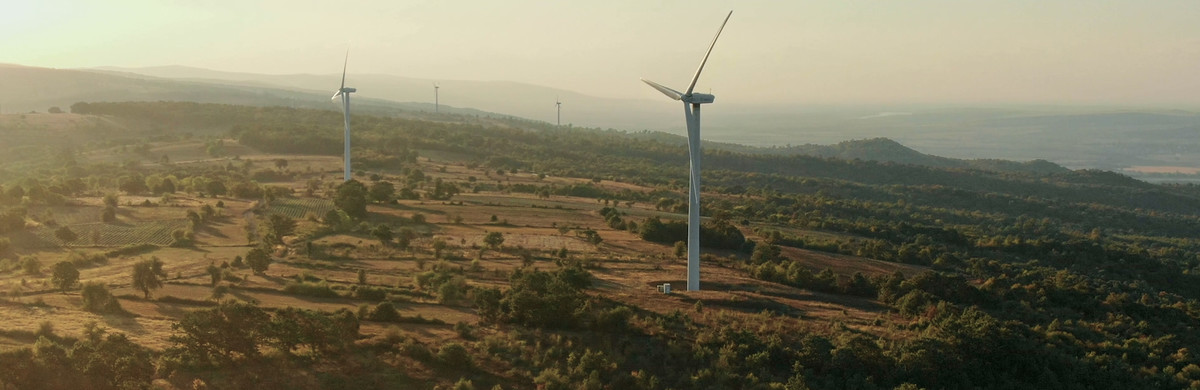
x,y
214,274
351,197
148,275
194,217
455,355
680,249
592,237
216,187
438,245
332,218
383,233
64,275
403,241
221,336
494,240
382,191
96,298
258,260
319,333
111,200
278,226
31,265
167,186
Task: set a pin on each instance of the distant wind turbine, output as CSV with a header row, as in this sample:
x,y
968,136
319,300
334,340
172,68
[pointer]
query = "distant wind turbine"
x,y
435,98
691,113
344,92
558,104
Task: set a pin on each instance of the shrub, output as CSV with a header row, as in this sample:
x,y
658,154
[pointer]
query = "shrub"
x,y
183,238
318,290
384,312
464,330
369,293
452,290
455,355
130,250
416,350
80,259
97,299
31,265
464,384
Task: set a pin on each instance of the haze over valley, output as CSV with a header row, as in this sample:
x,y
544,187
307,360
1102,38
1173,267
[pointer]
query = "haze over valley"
x,y
1143,142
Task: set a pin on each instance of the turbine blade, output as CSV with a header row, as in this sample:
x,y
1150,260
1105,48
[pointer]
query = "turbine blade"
x,y
347,62
671,93
710,48
336,95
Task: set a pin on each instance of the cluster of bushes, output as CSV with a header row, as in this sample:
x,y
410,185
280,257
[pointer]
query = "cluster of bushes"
x,y
448,283
97,360
538,299
238,332
717,233
317,290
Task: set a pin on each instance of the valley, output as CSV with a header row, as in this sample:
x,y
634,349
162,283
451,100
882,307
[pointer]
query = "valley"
x,y
480,250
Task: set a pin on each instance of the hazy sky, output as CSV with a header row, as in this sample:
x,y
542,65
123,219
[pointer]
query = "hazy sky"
x,y
922,51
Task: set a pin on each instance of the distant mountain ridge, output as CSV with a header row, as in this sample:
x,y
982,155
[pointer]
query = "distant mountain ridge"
x,y
512,98
887,150
24,89
1075,137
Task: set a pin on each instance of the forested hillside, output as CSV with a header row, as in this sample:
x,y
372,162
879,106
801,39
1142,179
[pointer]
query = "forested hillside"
x,y
1028,278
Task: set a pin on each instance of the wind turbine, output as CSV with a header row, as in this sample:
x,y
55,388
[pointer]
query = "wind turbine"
x,y
558,104
344,92
691,113
435,97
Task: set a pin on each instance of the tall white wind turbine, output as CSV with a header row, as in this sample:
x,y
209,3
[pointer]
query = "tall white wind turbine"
x,y
691,113
558,103
435,98
344,92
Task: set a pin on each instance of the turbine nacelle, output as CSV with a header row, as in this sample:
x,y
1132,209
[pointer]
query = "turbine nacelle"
x,y
698,98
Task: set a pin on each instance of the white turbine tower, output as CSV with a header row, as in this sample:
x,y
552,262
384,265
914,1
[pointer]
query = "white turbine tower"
x,y
344,93
558,104
435,98
691,113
